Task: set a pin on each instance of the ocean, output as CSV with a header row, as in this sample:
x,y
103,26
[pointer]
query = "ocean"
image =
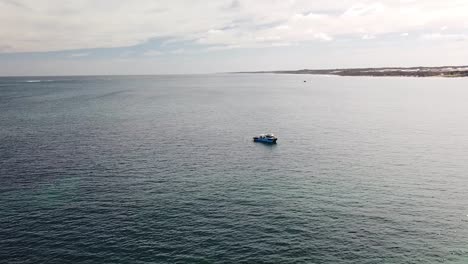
x,y
162,169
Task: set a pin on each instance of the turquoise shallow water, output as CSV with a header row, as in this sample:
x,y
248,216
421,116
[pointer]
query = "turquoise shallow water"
x,y
162,169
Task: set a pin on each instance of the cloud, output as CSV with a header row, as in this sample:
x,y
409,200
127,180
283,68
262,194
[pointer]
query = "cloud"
x,y
360,10
368,37
74,55
52,25
126,54
153,53
440,36
323,36
177,51
6,48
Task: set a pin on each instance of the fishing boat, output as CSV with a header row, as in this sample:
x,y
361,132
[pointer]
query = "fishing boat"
x,y
266,138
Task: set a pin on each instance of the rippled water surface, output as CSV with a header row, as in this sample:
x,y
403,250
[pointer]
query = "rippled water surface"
x,y
162,169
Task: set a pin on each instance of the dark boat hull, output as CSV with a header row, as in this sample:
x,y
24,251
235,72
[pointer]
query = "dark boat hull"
x,y
265,140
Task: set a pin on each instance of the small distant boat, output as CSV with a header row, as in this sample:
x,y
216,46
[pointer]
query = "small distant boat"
x,y
266,138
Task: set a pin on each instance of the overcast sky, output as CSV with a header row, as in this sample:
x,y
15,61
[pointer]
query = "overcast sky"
x,y
60,37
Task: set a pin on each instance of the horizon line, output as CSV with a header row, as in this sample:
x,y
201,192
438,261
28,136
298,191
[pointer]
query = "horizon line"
x,y
231,72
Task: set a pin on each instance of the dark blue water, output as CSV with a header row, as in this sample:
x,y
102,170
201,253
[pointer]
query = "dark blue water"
x,y
162,169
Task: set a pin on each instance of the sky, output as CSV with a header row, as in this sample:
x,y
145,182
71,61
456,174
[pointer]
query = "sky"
x,y
94,37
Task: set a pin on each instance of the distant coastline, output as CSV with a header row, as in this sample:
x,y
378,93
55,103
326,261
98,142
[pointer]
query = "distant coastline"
x,y
442,71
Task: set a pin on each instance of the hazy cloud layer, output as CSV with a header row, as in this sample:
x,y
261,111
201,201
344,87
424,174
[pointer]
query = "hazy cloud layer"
x,y
53,25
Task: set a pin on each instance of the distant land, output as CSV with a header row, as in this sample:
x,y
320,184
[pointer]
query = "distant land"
x,y
442,71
